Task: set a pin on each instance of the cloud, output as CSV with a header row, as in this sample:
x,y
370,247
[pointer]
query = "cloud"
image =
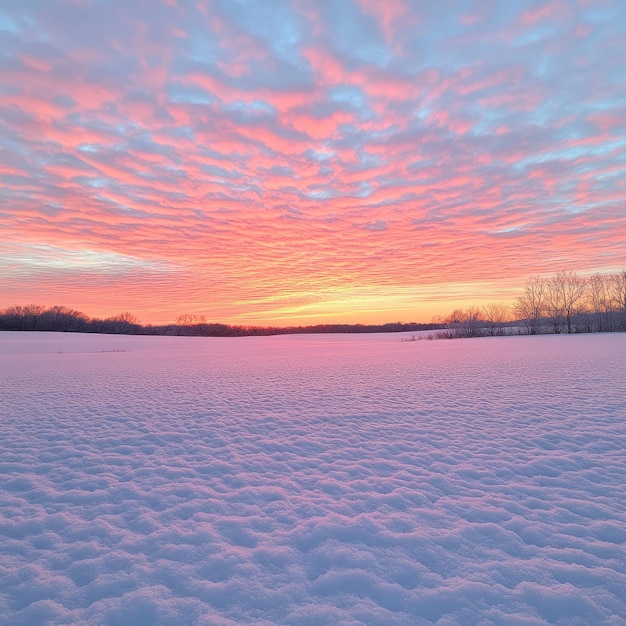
x,y
376,226
196,133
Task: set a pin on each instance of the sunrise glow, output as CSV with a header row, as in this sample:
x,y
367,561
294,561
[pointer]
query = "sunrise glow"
x,y
307,161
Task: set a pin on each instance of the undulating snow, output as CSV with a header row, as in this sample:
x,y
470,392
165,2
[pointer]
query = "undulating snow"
x,y
312,480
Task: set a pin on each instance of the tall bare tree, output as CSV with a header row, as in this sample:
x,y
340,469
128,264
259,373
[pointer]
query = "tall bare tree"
x,y
618,291
601,303
530,306
569,289
555,306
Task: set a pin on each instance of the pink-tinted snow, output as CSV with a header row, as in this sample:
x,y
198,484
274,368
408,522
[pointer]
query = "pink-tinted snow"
x,y
312,480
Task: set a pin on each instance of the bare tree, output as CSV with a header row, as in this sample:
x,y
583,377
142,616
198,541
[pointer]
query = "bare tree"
x,y
618,295
189,319
13,317
62,318
465,323
125,318
32,316
601,303
121,324
554,305
23,317
570,292
496,316
530,306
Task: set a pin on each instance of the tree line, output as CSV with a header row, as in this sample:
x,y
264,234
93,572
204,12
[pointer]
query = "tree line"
x,y
64,319
34,317
563,303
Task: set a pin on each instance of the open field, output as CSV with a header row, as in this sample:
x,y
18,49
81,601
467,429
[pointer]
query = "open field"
x,y
336,479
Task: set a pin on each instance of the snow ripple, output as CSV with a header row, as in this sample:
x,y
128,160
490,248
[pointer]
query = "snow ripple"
x,y
313,480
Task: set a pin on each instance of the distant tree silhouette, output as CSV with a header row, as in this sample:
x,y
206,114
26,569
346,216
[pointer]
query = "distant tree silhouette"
x,y
121,324
61,318
64,319
190,319
618,294
531,305
570,289
496,317
24,317
565,302
601,304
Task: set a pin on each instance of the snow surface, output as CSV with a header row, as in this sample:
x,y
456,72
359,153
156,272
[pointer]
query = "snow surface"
x,y
314,480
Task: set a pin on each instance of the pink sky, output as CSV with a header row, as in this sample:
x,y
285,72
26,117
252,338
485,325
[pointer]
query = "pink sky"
x,y
307,161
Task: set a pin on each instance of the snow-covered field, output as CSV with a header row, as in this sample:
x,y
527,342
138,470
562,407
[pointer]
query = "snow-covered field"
x,y
312,480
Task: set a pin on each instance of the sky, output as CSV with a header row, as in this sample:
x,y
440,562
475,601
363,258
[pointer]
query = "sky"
x,y
307,161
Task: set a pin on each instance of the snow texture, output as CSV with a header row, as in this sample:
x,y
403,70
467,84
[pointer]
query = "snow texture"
x,y
312,480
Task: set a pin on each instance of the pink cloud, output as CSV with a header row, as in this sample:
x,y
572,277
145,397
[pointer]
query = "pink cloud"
x,y
545,11
291,155
390,15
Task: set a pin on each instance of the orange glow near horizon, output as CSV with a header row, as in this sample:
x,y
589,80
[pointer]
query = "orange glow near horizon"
x,y
302,162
